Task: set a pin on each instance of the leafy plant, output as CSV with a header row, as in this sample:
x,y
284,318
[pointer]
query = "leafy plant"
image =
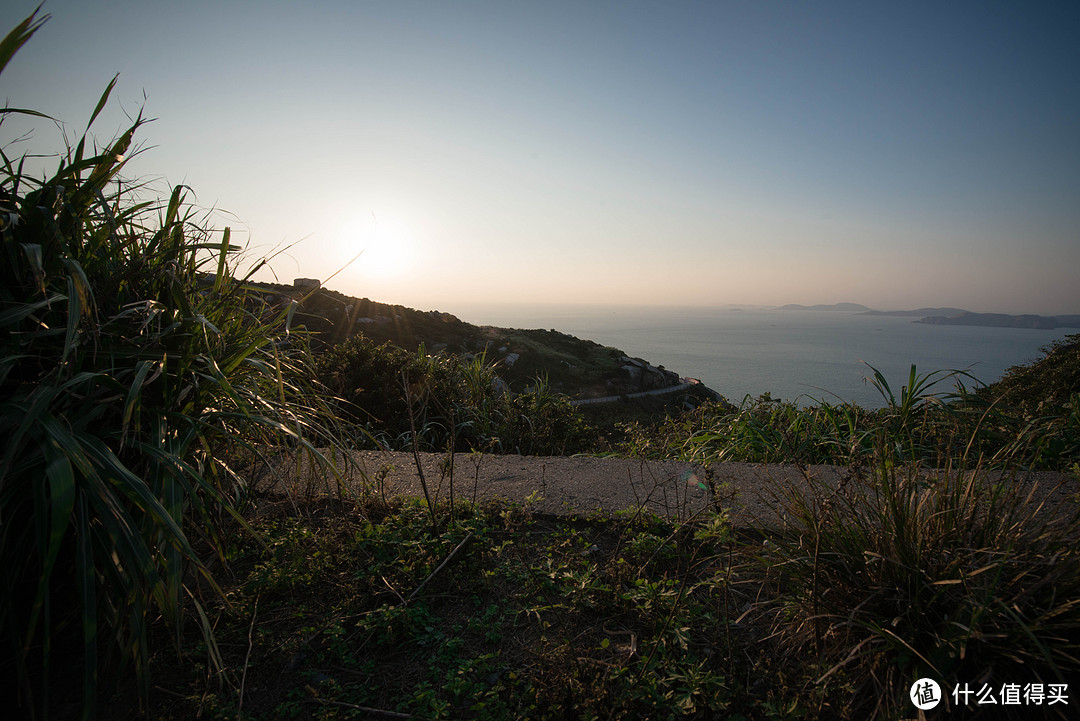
x,y
137,372
906,423
530,617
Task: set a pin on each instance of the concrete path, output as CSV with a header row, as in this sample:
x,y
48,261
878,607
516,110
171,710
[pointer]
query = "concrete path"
x,y
584,485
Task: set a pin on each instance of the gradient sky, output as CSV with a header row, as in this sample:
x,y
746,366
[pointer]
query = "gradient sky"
x,y
897,155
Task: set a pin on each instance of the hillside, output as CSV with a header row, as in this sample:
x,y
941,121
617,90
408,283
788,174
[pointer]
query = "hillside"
x,y
1043,386
577,368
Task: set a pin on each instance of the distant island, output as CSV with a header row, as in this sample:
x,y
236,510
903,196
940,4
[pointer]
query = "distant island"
x,y
849,307
953,316
919,312
1001,320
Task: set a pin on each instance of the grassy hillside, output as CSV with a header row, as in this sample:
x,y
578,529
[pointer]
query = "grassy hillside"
x,y
574,367
1045,385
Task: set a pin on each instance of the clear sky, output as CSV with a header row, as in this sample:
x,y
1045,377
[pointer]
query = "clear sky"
x,y
679,153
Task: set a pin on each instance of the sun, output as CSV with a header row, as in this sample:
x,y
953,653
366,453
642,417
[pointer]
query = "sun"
x,y
391,250
386,246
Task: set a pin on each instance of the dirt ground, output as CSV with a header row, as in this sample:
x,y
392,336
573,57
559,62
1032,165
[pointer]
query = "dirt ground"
x,y
749,492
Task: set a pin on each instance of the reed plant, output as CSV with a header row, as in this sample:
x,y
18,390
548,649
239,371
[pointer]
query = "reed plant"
x,y
760,430
897,574
136,371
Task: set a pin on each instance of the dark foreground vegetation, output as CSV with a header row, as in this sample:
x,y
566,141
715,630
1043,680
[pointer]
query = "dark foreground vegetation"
x,y
143,374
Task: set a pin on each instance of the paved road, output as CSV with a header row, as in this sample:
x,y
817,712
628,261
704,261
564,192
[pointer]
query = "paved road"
x,y
686,383
584,485
557,485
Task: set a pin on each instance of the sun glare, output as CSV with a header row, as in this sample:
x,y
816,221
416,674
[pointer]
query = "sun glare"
x,y
388,246
391,249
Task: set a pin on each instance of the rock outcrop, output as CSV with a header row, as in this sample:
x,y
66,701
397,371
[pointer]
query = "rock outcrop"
x,y
648,377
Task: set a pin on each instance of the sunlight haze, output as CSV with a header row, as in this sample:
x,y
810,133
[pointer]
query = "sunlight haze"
x,y
680,154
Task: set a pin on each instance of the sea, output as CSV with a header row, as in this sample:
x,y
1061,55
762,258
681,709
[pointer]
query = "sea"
x,y
804,356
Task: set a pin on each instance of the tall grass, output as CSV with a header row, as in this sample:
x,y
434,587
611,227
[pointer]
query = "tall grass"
x,y
923,562
135,371
447,401
923,423
897,575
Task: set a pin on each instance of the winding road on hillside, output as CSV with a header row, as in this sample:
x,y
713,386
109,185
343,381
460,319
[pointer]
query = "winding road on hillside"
x,y
683,385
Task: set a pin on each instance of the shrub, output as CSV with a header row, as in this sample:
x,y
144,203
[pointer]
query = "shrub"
x,y
899,575
135,369
1049,382
452,400
921,424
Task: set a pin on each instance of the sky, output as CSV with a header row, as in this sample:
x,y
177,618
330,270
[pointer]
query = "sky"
x,y
898,155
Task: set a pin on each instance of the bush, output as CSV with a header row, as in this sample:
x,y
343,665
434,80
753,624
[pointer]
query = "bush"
x,y
135,369
449,400
1048,383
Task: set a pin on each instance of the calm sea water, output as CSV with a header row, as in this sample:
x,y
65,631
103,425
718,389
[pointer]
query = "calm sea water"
x,y
795,355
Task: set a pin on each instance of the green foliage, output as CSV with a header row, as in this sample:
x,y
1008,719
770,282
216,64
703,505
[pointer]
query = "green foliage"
x,y
1033,413
921,424
134,371
1050,382
368,378
948,574
499,616
452,400
764,430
